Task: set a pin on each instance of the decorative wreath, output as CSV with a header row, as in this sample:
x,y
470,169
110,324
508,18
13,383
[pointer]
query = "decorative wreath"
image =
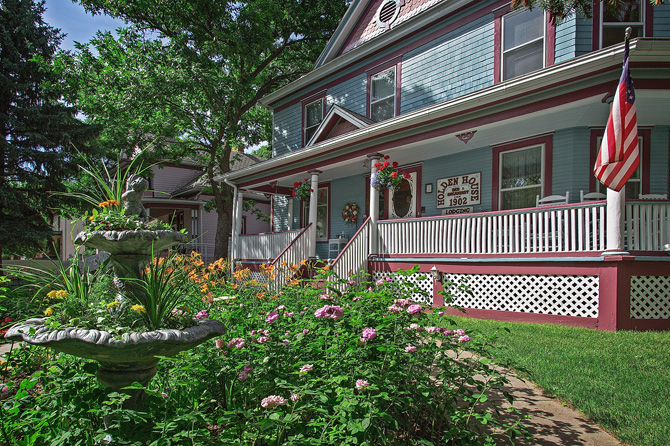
x,y
350,213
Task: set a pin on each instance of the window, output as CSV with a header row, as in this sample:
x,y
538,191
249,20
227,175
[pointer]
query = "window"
x,y
616,18
322,214
313,115
523,42
383,94
639,181
520,177
521,171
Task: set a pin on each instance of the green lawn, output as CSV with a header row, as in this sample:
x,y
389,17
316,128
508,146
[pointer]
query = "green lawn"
x,y
620,380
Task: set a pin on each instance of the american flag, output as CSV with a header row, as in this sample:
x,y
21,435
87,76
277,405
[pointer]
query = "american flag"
x,y
619,152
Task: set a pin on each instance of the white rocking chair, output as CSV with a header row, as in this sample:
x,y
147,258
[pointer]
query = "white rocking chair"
x,y
552,200
653,196
591,196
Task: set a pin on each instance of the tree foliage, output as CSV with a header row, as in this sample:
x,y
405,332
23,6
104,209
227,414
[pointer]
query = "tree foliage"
x,y
193,70
559,10
40,132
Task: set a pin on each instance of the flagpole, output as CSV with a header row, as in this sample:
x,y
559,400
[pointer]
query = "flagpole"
x,y
616,205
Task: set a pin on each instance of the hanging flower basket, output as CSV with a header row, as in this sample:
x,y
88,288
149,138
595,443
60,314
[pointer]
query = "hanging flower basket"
x,y
302,190
350,213
388,176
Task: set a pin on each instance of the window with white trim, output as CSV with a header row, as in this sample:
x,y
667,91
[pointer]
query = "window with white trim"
x,y
383,94
523,42
634,184
313,118
521,177
614,20
321,214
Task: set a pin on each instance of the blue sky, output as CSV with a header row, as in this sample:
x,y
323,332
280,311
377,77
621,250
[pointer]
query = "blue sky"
x,y
75,22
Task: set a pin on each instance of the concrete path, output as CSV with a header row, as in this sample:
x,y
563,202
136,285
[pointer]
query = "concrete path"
x,y
552,423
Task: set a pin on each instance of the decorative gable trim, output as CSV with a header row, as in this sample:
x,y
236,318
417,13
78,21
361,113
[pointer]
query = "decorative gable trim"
x,y
338,118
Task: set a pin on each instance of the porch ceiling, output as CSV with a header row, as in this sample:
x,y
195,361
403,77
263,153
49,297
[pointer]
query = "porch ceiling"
x,y
652,109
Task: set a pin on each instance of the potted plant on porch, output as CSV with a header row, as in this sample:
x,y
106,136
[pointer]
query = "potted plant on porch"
x,y
388,175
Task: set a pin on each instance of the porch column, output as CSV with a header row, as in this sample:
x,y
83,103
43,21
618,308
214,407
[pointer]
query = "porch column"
x,y
616,209
374,205
237,230
313,199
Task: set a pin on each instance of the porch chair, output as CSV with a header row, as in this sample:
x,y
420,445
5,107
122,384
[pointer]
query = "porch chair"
x,y
552,200
591,196
653,196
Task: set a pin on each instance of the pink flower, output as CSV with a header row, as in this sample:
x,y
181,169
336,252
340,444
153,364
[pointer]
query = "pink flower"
x,y
460,332
305,331
369,333
294,397
219,343
289,313
356,298
441,313
410,348
329,312
281,307
361,384
273,401
403,302
306,369
416,327
272,317
164,395
464,338
236,342
4,393
389,280
326,297
202,314
414,309
351,282
395,309
431,329
379,282
285,342
241,305
244,374
263,339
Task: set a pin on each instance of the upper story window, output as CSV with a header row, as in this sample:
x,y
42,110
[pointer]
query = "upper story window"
x,y
615,19
383,94
523,42
312,118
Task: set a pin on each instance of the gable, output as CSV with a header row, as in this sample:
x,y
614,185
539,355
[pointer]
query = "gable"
x,y
392,14
338,121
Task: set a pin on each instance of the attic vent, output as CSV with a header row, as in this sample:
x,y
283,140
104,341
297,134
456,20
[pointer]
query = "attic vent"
x,y
388,12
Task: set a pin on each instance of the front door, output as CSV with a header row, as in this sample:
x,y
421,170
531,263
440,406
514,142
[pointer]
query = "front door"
x,y
402,202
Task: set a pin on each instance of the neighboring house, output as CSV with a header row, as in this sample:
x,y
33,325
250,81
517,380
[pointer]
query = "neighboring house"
x,y
487,110
177,195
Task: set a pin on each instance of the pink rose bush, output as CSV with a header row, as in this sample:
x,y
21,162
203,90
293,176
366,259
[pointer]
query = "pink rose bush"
x,y
273,401
334,312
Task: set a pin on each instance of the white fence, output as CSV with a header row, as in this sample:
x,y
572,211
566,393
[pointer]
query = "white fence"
x,y
548,229
647,225
354,257
265,246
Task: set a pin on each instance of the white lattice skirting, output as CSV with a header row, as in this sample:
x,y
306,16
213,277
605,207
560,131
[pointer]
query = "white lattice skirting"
x,y
650,297
555,295
423,280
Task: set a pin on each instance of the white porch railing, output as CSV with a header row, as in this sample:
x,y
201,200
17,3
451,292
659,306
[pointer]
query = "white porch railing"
x,y
294,253
354,257
564,228
647,225
265,246
206,250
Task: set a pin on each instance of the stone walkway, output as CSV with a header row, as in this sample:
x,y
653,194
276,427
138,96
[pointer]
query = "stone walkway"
x,y
550,422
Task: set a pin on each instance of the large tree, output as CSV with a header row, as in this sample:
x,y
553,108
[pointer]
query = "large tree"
x,y
40,132
193,70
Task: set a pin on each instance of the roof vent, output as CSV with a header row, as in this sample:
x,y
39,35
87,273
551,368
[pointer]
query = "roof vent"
x,y
388,11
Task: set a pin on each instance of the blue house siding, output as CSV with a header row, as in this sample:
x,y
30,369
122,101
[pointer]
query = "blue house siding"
x,y
287,130
346,190
658,171
662,20
583,36
455,64
350,94
566,32
571,169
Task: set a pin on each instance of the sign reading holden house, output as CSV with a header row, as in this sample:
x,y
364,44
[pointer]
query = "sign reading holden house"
x,y
459,191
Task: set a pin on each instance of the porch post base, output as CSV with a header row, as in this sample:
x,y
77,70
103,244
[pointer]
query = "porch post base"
x,y
615,253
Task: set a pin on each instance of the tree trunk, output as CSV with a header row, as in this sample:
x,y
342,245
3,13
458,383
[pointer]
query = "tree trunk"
x,y
224,223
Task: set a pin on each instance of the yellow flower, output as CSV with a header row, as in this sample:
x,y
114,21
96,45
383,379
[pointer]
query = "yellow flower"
x,y
91,218
52,294
138,308
62,293
49,311
113,304
113,202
